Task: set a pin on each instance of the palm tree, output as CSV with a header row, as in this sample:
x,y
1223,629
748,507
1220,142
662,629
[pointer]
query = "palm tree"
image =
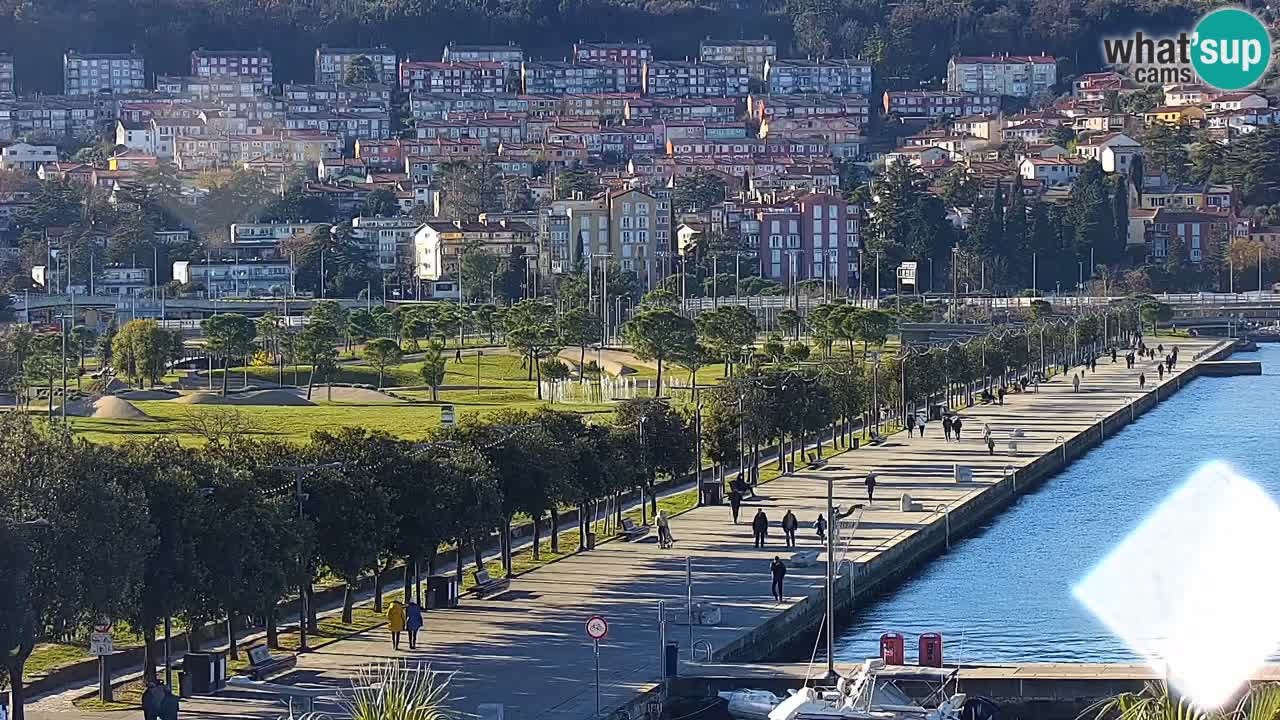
x,y
1155,702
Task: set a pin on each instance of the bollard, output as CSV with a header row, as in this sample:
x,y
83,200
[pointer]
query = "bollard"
x,y
1012,474
946,515
1063,444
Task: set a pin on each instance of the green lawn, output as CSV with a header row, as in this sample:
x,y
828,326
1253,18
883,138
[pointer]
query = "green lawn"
x,y
495,370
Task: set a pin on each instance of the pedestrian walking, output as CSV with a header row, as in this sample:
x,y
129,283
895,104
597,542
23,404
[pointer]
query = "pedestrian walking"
x,y
457,355
1113,355
820,525
1093,365
1142,380
789,526
665,539
946,427
778,570
870,482
413,623
911,424
1075,382
986,430
396,617
1160,369
991,445
735,504
1160,348
955,427
760,527
152,700
923,421
1000,394
169,705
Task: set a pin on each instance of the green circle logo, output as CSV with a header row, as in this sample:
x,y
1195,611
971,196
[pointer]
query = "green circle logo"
x,y
1231,49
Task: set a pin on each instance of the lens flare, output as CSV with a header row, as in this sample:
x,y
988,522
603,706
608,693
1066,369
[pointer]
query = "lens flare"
x,y
1191,589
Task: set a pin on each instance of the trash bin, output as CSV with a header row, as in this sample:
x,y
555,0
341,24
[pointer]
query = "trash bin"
x,y
711,493
442,591
672,659
218,668
184,684
200,671
936,410
854,443
591,540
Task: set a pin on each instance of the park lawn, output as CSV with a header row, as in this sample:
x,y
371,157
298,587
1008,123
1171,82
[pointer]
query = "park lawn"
x,y
495,370
409,420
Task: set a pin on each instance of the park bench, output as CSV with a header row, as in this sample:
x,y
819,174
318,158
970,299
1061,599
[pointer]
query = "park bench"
x,y
263,664
804,559
632,532
486,586
876,438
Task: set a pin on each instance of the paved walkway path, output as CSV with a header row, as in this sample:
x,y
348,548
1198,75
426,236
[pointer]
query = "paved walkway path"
x,y
528,650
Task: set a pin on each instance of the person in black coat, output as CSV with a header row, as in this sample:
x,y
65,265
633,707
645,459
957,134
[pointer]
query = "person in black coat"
x,y
790,523
735,503
760,527
778,570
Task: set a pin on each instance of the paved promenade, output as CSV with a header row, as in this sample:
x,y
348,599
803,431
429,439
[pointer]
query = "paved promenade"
x,y
528,649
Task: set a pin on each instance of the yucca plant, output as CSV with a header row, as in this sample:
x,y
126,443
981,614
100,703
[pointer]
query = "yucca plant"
x,y
1155,702
397,691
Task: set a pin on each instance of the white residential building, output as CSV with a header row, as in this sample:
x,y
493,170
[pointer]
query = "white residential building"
x,y
264,239
241,278
1010,75
91,73
27,158
837,77
1051,171
1114,151
388,239
755,54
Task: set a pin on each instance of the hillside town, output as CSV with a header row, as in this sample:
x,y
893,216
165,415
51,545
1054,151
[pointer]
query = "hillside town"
x,y
790,170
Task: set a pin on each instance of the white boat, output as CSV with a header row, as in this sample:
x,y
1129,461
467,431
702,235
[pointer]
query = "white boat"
x,y
862,696
750,704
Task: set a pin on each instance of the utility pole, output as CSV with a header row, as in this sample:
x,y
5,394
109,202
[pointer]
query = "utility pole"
x,y
832,524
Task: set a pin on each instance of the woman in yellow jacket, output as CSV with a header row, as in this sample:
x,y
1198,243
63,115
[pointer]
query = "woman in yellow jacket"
x,y
395,622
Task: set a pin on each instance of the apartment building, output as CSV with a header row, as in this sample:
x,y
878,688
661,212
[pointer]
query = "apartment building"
x,y
633,56
24,157
755,54
6,75
936,103
840,77
439,244
238,278
264,240
453,76
538,77
814,236
649,109
1009,75
91,73
707,79
633,224
213,87
80,116
297,96
331,63
570,230
387,239
255,64
510,57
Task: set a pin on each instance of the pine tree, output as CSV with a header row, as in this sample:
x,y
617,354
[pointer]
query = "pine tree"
x,y
1017,244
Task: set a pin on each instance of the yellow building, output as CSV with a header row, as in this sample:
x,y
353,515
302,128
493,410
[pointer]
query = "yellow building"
x,y
1175,115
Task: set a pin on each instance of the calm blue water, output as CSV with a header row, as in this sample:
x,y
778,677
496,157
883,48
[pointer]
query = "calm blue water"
x,y
1004,594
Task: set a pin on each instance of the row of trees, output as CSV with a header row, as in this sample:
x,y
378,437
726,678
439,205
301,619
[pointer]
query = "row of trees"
x,y
145,531
1007,229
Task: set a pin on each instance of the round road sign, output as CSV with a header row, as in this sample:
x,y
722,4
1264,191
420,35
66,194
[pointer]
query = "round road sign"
x,y
103,625
597,628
